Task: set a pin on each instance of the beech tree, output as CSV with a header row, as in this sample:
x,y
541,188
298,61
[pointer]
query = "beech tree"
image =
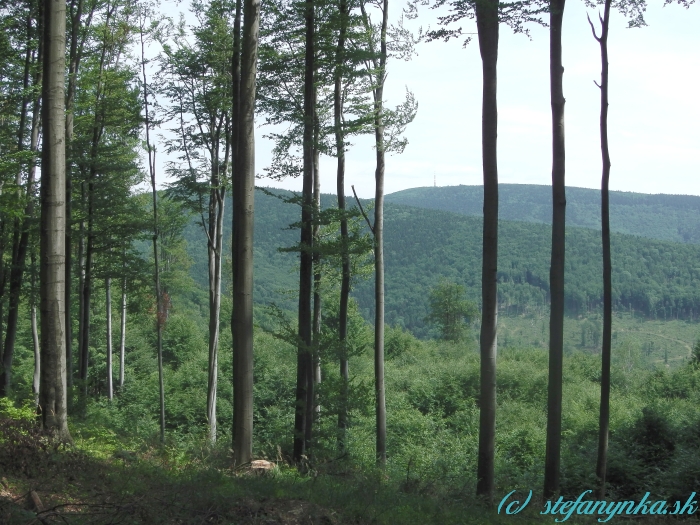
x,y
633,10
53,390
556,272
392,123
243,190
488,13
601,465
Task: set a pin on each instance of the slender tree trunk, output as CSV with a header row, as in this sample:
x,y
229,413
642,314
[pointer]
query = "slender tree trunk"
x,y
487,26
304,357
36,381
82,354
108,301
87,293
604,422
312,406
378,229
556,272
53,398
340,188
160,314
242,321
122,336
216,218
21,233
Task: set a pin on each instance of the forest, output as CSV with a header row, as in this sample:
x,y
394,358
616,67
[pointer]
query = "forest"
x,y
183,343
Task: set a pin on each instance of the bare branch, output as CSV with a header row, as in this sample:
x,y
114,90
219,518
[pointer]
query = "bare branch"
x,y
362,210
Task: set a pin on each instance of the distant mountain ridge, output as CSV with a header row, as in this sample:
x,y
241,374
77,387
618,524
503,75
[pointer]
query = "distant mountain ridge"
x,y
673,218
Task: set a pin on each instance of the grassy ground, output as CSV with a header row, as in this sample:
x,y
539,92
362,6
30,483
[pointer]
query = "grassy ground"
x,y
93,482
646,342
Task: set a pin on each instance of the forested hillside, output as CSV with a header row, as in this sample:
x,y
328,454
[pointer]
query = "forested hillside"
x,y
166,359
656,279
666,217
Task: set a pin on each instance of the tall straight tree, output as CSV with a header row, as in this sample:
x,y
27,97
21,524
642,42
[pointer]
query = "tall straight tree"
x,y
556,271
244,189
53,388
604,419
343,12
379,63
304,386
387,125
488,13
487,27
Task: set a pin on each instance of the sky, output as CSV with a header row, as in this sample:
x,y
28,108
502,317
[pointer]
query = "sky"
x,y
654,112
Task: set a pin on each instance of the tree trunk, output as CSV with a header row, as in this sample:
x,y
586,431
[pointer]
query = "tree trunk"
x,y
87,294
378,229
122,336
216,224
52,398
244,191
340,188
36,380
313,407
73,65
108,301
604,422
304,357
556,272
81,288
487,26
380,402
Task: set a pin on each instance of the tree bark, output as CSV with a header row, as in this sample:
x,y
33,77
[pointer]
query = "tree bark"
x,y
556,272
487,26
242,319
304,357
604,421
53,398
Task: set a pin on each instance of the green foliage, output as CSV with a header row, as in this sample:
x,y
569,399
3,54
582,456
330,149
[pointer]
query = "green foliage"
x,y
450,311
695,354
25,412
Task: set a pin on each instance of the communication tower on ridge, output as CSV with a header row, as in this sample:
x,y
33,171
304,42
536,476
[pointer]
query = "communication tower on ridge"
x,y
434,180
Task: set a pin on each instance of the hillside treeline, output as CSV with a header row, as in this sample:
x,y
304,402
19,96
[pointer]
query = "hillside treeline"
x,y
673,218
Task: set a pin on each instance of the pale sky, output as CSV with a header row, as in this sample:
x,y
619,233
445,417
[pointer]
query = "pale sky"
x,y
654,119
